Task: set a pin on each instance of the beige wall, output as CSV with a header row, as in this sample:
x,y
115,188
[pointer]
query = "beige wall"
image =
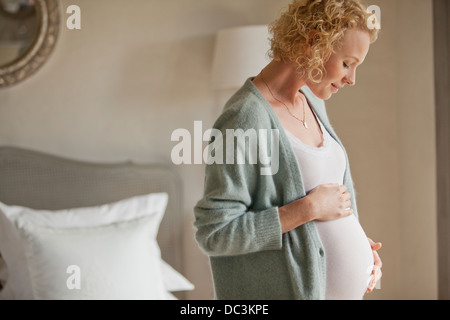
x,y
116,90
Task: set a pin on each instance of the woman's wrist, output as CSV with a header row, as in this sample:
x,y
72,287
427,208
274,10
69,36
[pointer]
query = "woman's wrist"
x,y
295,214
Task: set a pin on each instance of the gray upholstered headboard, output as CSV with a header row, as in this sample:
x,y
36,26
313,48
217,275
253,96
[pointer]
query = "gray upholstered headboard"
x,y
43,181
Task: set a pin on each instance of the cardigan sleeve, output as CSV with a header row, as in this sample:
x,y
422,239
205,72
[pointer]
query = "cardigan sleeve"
x,y
228,227
230,219
225,222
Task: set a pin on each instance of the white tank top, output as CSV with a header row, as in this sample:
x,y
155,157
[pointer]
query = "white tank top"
x,y
348,255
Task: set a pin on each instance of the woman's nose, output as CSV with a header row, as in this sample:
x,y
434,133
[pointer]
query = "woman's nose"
x,y
350,79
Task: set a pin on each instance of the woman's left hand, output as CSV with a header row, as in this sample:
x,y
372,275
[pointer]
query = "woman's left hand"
x,y
376,272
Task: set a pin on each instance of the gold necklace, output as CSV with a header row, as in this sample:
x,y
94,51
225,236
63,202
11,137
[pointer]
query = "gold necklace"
x,y
293,115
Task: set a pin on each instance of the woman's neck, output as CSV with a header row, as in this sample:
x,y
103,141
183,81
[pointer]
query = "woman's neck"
x,y
282,79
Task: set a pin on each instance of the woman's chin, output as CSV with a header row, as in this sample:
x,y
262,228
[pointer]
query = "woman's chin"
x,y
323,95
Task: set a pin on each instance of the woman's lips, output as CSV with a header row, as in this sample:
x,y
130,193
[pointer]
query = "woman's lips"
x,y
335,89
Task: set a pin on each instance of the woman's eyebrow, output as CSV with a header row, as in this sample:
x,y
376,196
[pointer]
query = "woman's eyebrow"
x,y
353,57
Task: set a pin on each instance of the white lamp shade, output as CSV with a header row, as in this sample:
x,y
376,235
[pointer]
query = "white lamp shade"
x,y
240,53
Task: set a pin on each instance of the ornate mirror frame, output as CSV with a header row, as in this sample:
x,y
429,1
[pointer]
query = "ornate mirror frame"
x,y
36,55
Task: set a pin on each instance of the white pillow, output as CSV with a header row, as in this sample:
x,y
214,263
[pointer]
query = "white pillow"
x,y
173,280
114,261
18,285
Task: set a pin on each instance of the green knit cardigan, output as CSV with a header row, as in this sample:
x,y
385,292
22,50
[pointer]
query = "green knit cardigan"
x,y
237,222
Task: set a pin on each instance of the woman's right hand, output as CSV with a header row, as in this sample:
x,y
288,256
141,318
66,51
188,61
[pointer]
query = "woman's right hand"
x,y
329,202
325,202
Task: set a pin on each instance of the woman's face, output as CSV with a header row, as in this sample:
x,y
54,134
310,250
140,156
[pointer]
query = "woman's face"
x,y
341,67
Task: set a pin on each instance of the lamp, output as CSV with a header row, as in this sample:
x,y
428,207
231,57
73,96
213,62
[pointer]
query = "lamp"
x,y
240,52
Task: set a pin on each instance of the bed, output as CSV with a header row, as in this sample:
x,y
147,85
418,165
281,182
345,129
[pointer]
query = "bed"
x,y
81,230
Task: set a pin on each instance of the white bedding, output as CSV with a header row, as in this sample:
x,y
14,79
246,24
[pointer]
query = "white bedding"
x,y
101,252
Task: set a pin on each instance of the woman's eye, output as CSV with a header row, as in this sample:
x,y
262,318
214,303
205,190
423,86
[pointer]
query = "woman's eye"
x,y
346,65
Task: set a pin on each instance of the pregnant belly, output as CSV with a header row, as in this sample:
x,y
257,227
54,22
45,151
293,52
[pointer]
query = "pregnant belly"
x,y
349,258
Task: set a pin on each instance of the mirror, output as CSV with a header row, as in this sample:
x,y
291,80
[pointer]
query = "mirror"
x,y
28,33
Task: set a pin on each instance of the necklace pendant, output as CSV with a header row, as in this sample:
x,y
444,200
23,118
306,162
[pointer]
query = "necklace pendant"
x,y
305,124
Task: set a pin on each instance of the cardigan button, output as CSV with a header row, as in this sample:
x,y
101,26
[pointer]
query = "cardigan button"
x,y
321,252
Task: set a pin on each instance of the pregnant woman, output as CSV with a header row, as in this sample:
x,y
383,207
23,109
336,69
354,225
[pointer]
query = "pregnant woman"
x,y
292,234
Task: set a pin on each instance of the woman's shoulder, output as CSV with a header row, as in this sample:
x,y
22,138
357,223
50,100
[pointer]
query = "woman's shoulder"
x,y
245,109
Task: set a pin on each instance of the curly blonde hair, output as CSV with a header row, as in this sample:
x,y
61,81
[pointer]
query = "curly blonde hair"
x,y
326,22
